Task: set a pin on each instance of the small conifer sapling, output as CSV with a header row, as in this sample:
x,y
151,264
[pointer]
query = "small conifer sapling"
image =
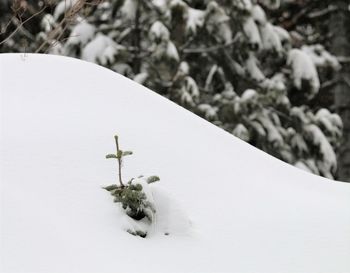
x,y
132,196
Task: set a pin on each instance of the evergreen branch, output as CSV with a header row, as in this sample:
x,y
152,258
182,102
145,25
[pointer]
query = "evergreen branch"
x,y
209,49
320,13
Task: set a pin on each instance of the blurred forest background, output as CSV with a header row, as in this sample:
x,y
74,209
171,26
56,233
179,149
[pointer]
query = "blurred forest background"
x,y
275,73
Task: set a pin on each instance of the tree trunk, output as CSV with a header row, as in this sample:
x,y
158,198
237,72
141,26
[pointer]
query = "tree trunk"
x,y
340,30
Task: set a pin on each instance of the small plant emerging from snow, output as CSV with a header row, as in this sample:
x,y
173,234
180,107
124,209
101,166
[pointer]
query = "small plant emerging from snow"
x,y
134,196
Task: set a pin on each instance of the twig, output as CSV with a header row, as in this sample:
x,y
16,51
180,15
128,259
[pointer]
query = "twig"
x,y
343,59
23,29
323,12
209,49
119,157
20,25
58,31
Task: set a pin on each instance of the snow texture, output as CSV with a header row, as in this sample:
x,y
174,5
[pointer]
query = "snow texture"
x,y
101,49
259,15
226,206
244,5
253,69
242,132
271,4
129,8
252,32
282,33
159,32
47,22
63,7
195,20
209,112
303,69
270,38
217,23
321,57
81,34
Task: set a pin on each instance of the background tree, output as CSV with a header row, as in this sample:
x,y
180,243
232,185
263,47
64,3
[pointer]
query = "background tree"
x,y
340,26
326,25
229,61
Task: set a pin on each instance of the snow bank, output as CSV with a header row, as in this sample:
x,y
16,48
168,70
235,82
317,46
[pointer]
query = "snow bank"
x,y
227,206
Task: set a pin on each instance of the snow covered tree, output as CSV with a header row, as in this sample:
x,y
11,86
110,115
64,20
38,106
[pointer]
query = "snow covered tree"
x,y
224,60
340,24
319,26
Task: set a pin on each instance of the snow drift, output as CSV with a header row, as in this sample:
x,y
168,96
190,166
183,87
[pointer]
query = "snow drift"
x,y
227,206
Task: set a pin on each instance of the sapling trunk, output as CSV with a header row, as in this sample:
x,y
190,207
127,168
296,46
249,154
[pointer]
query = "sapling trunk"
x,y
119,157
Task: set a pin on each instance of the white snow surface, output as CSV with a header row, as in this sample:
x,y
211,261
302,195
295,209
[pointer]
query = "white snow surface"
x,y
227,206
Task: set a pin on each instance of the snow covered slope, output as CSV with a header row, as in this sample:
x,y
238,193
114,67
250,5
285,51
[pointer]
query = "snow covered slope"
x,y
227,206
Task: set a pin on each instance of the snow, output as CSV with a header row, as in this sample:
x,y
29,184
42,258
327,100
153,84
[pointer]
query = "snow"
x,y
160,35
209,112
141,77
271,4
270,38
171,51
262,33
242,132
81,34
253,69
195,20
249,95
47,22
302,166
194,17
227,206
273,135
184,68
303,69
218,23
331,123
252,32
160,3
282,34
309,164
277,82
259,15
244,5
189,91
321,57
62,7
101,49
314,133
159,32
129,8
